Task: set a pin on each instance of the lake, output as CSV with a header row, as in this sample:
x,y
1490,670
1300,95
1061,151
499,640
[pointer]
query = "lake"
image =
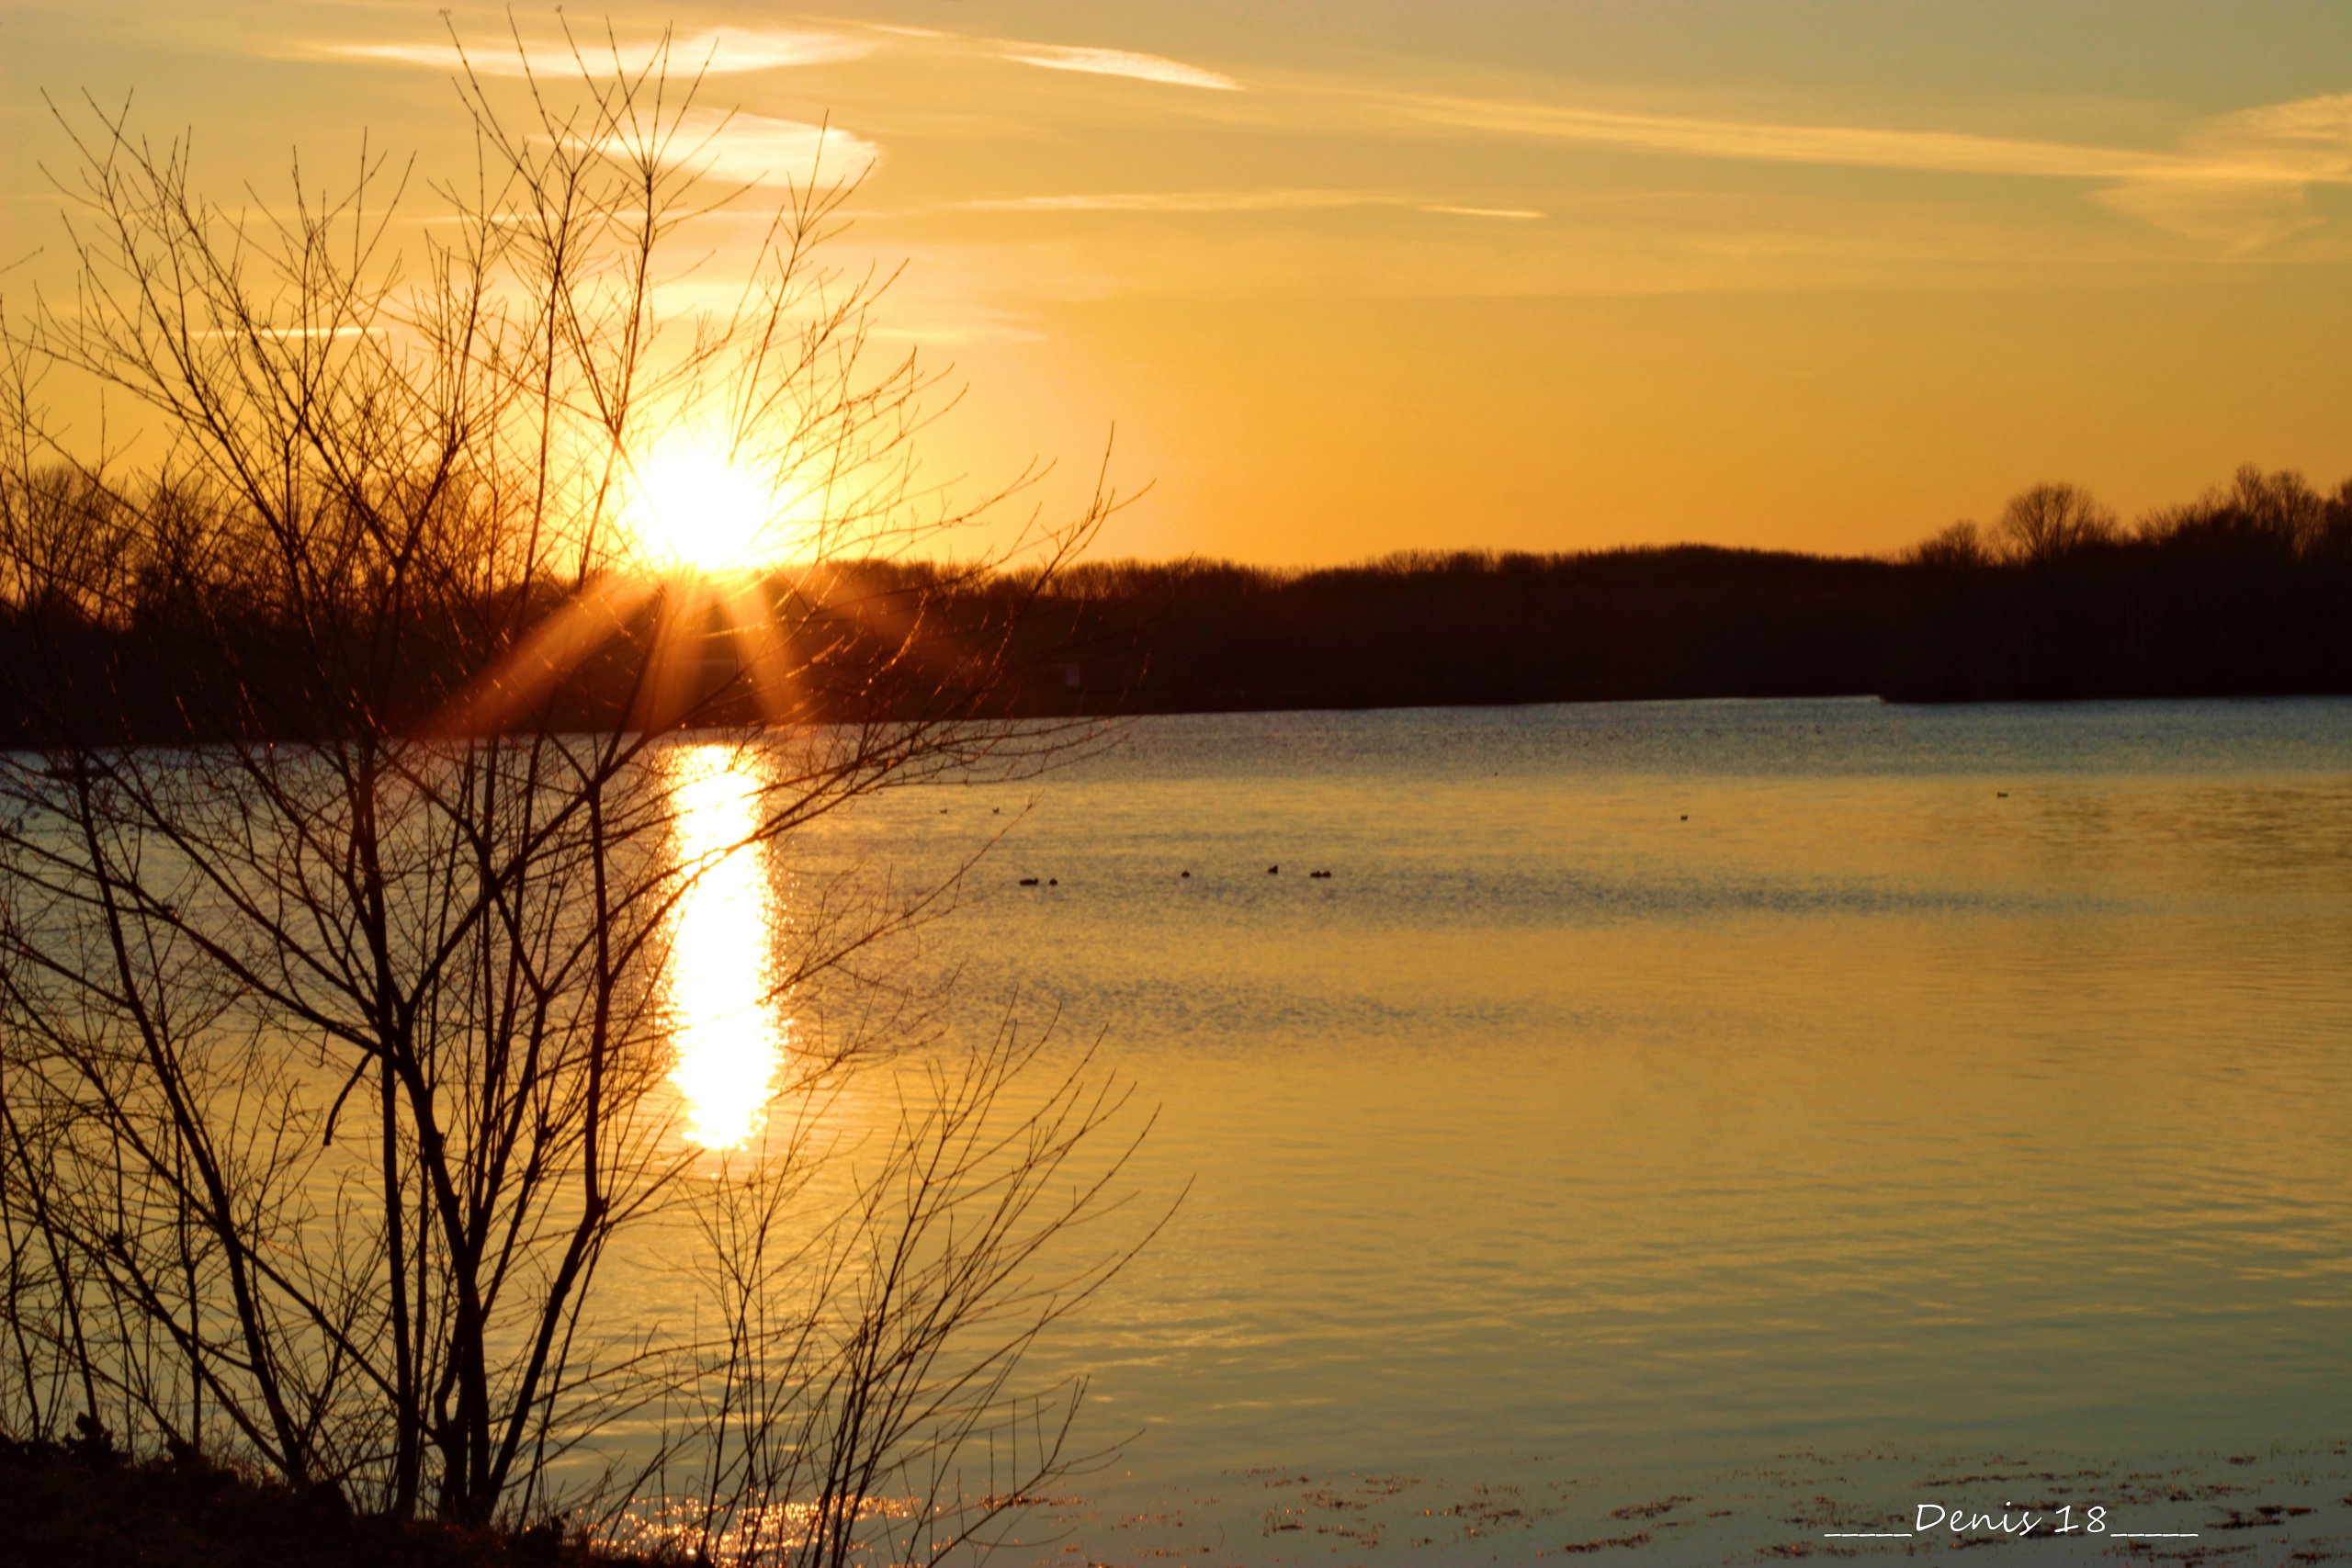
x,y
1683,1129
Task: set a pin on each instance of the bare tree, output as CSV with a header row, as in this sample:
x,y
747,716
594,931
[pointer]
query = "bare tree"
x,y
344,862
1958,547
2278,515
2050,522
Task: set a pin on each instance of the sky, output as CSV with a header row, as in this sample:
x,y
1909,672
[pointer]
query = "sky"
x,y
1350,276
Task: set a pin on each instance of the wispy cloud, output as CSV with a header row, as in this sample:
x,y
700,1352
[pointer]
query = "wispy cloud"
x,y
753,148
1512,214
1853,146
723,52
291,334
2238,216
736,51
2314,134
2295,145
1185,202
1243,201
1115,62
2240,182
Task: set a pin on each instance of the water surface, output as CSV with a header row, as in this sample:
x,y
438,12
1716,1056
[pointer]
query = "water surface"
x,y
1658,1094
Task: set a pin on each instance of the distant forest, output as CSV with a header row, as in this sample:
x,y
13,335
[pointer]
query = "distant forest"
x,y
2245,590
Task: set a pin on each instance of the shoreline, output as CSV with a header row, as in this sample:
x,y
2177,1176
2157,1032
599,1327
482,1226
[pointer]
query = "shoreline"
x,y
87,1507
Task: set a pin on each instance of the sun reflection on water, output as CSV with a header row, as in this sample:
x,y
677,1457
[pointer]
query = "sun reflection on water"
x,y
726,1028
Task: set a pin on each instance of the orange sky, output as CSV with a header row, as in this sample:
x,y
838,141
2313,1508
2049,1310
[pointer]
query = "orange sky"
x,y
1533,274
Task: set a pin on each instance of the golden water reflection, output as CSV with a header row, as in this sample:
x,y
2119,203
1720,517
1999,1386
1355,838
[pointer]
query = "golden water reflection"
x,y
726,1028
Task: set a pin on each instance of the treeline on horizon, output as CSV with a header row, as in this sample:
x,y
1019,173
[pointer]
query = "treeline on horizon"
x,y
2245,590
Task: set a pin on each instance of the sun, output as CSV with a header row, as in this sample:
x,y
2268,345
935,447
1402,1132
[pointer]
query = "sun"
x,y
693,511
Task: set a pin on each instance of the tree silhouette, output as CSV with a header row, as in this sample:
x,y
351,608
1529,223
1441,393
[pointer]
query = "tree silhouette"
x,y
333,1054
2050,522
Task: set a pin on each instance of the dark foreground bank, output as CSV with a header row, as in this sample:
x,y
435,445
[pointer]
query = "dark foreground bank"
x,y
69,1508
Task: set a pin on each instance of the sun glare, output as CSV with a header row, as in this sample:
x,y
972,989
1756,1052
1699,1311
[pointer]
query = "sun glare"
x,y
726,1028
694,511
